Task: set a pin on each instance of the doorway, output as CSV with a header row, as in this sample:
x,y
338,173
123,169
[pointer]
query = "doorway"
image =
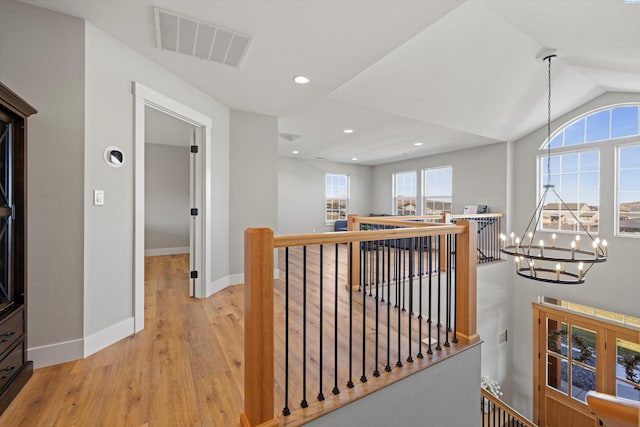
x,y
145,100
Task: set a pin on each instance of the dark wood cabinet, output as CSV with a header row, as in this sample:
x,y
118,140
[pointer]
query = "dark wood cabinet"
x,y
15,369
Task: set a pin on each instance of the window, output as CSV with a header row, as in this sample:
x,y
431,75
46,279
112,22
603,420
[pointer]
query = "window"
x,y
575,171
337,197
436,190
404,188
575,177
629,190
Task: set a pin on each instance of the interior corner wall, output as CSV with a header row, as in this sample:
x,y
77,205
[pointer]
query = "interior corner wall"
x,y
611,286
166,191
42,60
478,177
110,69
301,193
253,200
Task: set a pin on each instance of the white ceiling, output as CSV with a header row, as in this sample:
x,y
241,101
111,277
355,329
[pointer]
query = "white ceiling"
x,y
452,74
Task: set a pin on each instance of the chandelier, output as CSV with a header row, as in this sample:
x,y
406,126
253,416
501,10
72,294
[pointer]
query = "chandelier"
x,y
549,261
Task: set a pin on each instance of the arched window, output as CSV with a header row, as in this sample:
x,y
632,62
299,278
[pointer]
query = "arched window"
x,y
574,170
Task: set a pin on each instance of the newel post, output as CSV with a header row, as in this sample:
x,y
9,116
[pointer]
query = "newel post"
x,y
258,329
446,219
466,282
353,262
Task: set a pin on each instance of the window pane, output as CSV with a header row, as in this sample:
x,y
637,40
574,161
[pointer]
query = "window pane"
x,y
557,337
630,180
569,163
589,181
589,161
557,373
583,346
628,361
627,391
624,122
598,126
630,157
574,134
557,140
569,184
583,380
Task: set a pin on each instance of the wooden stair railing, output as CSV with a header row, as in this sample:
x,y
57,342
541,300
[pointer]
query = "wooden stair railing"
x,y
259,246
496,413
614,411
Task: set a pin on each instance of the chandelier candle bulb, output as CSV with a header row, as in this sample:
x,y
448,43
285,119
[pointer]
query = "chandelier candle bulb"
x,y
577,241
573,249
530,237
503,240
541,248
553,240
517,244
604,247
512,237
595,249
558,272
531,268
580,268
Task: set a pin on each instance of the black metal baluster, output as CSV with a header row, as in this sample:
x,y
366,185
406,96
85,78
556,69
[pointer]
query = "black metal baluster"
x,y
320,394
372,245
482,408
376,372
304,402
286,411
420,272
335,390
439,324
383,244
388,365
411,254
398,296
363,377
455,293
430,267
350,382
403,290
448,293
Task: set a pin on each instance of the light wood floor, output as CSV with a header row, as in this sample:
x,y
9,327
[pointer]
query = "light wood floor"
x,y
185,367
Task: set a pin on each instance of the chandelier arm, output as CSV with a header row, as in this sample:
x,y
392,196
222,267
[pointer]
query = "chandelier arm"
x,y
535,214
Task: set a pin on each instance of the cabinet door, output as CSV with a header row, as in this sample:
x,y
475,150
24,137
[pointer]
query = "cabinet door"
x,y
6,211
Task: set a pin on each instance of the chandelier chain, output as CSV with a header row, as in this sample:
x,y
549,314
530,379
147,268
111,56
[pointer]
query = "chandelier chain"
x,y
549,123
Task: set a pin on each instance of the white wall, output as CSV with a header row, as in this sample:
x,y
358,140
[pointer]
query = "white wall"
x,y
110,69
253,199
42,59
611,286
479,177
301,193
166,197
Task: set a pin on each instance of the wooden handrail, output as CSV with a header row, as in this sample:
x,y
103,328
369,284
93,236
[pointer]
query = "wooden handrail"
x,y
614,411
476,216
506,408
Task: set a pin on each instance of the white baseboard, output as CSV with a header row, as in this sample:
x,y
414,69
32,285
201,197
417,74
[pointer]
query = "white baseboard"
x,y
166,251
54,354
232,279
104,338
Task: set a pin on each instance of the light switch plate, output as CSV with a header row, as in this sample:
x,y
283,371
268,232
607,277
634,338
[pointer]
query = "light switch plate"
x,y
98,197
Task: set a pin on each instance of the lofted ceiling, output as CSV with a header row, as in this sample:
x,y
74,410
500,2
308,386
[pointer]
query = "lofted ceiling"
x,y
451,74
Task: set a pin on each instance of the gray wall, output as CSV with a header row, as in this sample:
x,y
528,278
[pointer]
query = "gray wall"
x,y
253,199
166,189
46,68
301,195
444,395
479,177
611,286
110,69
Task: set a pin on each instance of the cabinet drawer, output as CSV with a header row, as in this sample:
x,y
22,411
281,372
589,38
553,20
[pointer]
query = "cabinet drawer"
x,y
11,329
11,364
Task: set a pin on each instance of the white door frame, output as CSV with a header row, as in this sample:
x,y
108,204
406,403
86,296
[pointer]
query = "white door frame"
x,y
145,97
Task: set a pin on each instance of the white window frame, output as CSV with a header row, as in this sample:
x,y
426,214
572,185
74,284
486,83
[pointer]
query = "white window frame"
x,y
425,187
326,198
617,232
395,195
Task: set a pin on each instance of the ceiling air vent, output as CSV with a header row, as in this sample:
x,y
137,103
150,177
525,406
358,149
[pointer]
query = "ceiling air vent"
x,y
200,39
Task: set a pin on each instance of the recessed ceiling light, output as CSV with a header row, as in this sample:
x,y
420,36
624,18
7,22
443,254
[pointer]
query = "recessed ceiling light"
x,y
354,158
418,144
301,80
295,152
348,131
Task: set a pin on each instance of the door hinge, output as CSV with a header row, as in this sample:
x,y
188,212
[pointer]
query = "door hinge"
x,y
194,148
194,211
194,274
